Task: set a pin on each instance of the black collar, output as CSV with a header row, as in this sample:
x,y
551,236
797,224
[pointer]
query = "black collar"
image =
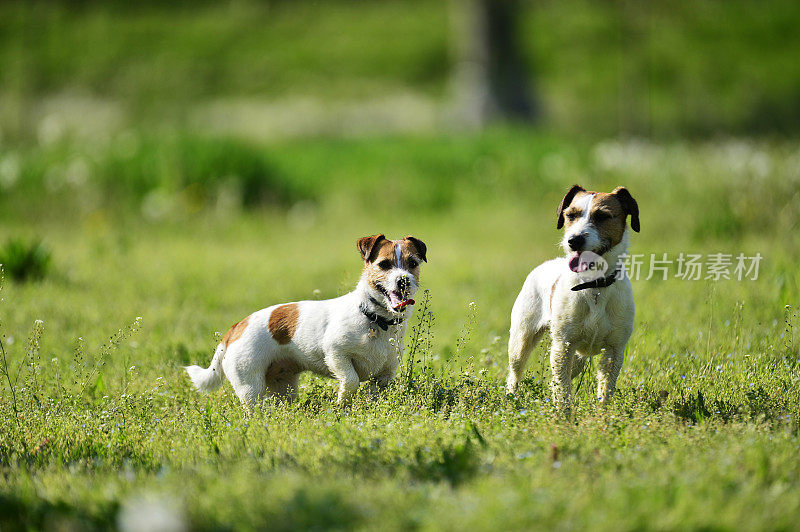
x,y
380,321
600,282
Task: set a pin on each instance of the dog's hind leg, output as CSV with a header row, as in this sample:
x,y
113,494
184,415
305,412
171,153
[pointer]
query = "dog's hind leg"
x,y
247,378
250,390
283,380
284,388
381,381
607,373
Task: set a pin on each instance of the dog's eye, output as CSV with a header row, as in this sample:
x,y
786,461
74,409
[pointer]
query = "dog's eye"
x,y
385,264
573,215
412,263
601,216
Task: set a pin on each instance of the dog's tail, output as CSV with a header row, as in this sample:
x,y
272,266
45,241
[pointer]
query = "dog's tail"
x,y
208,380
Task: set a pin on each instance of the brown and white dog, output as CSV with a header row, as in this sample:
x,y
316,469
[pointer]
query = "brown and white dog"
x,y
352,338
586,312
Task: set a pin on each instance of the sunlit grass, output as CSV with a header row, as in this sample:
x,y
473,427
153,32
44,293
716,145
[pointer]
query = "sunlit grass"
x,y
703,432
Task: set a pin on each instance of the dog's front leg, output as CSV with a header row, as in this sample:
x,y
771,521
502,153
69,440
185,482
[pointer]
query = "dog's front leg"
x,y
343,371
561,355
607,373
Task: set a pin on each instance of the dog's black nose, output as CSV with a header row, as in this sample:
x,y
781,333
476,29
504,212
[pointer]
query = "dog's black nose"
x,y
576,242
403,282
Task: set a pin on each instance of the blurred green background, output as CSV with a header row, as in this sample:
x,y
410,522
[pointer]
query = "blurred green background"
x,y
114,103
595,67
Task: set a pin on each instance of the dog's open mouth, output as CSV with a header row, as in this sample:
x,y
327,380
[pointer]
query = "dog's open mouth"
x,y
397,300
575,262
587,262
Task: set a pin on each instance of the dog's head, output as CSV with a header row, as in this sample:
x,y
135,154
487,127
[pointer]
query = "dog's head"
x,y
595,221
391,268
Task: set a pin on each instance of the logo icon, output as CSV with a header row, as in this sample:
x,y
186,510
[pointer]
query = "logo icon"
x,y
588,265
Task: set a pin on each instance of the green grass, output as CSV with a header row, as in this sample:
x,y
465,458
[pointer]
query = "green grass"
x,y
106,421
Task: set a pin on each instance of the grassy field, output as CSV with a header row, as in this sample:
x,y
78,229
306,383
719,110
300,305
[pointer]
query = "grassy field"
x,y
100,427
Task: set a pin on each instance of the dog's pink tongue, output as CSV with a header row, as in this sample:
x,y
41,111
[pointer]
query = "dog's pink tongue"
x,y
394,300
396,303
575,261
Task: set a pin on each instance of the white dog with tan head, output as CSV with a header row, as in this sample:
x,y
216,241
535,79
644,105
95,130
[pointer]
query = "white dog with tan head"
x,y
584,300
353,338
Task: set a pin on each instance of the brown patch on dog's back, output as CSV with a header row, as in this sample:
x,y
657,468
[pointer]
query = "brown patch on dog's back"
x,y
283,322
235,332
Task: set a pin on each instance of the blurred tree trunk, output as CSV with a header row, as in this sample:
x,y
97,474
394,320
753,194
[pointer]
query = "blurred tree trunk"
x,y
491,81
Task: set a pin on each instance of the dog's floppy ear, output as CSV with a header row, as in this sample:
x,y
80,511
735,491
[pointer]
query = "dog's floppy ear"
x,y
629,205
422,249
367,246
565,203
